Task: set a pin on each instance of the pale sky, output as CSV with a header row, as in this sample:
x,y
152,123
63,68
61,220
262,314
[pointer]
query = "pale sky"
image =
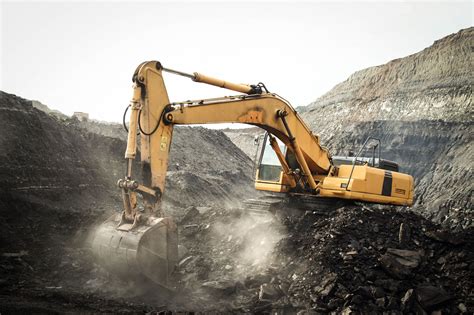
x,y
75,56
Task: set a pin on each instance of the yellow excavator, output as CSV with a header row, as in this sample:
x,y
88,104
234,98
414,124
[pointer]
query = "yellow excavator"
x,y
142,241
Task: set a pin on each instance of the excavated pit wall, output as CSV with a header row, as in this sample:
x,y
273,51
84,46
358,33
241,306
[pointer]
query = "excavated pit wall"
x,y
436,153
57,163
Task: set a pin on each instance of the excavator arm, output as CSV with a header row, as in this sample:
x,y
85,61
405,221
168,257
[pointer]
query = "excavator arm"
x,y
156,118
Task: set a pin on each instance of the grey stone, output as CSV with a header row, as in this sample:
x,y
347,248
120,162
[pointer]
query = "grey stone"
x,y
327,285
189,214
462,308
431,297
190,229
347,311
183,262
404,234
203,210
407,300
269,292
399,262
380,302
220,286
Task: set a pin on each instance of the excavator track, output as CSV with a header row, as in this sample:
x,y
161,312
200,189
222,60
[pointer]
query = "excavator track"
x,y
262,206
291,203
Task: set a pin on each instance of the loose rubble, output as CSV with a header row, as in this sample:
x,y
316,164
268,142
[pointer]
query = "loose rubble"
x,y
348,260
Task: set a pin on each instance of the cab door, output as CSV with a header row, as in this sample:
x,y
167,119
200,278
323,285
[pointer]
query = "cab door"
x,y
269,171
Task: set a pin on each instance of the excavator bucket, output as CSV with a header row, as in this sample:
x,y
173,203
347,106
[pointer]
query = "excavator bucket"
x,y
148,250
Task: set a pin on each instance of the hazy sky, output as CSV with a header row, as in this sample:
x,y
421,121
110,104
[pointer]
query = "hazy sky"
x,y
76,56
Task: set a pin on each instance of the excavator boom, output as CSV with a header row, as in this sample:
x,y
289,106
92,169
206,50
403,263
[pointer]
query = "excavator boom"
x,y
267,111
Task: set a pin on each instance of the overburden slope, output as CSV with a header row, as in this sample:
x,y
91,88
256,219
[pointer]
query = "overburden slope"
x,y
58,180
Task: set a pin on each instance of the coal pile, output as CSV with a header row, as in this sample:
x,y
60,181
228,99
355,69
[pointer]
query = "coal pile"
x,y
351,260
367,260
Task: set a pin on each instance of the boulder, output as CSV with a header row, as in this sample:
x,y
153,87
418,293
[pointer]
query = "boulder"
x,y
431,297
399,262
269,292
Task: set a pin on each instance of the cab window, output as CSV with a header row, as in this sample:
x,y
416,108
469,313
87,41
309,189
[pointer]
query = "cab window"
x,y
270,167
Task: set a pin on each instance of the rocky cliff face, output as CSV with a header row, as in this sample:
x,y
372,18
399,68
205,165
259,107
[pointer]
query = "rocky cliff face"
x,y
436,153
245,139
433,84
421,108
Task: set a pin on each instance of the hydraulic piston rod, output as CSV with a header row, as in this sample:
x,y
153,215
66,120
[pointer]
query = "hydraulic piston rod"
x,y
198,77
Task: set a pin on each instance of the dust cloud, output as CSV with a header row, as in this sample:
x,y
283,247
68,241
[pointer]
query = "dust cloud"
x,y
251,241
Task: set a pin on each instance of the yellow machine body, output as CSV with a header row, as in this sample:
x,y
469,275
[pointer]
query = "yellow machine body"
x,y
366,184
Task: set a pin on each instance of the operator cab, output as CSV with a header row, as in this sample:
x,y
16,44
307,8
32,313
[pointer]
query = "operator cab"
x,y
269,167
269,173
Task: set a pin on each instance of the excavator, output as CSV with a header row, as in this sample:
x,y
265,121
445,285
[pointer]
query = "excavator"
x,y
142,241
